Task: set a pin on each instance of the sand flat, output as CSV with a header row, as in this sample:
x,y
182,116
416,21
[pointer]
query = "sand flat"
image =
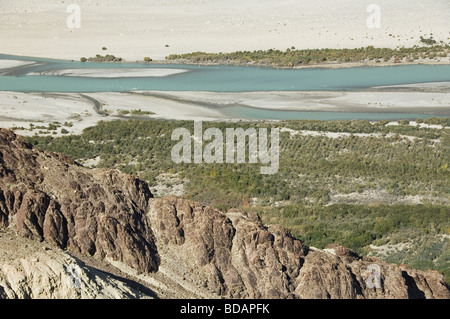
x,y
136,29
86,109
113,73
314,100
7,64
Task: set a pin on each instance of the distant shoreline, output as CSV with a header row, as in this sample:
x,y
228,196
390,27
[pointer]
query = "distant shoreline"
x,y
292,58
326,65
343,65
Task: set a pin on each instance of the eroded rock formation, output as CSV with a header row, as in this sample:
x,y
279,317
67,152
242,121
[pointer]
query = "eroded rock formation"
x,y
47,196
177,246
241,258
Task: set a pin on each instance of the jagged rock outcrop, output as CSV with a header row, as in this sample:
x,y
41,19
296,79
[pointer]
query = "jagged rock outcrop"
x,y
47,196
238,257
235,254
178,247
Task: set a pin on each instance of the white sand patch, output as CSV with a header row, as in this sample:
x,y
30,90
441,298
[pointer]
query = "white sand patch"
x,y
91,163
6,64
421,125
388,249
335,135
381,196
113,73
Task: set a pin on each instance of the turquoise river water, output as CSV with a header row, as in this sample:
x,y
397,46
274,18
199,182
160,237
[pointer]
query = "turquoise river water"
x,y
226,79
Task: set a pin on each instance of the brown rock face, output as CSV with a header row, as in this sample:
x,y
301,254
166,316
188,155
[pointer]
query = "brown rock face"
x,y
47,196
239,257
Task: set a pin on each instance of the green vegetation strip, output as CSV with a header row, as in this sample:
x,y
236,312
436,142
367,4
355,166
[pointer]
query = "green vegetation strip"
x,y
395,162
295,58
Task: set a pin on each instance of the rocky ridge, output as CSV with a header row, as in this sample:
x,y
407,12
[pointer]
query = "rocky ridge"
x,y
47,196
175,247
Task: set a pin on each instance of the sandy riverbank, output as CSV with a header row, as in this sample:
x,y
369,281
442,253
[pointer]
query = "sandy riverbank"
x,y
365,101
8,64
112,73
157,28
84,110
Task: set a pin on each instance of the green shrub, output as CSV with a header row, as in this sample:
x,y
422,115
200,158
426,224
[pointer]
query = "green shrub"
x,y
140,112
123,112
429,41
293,58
